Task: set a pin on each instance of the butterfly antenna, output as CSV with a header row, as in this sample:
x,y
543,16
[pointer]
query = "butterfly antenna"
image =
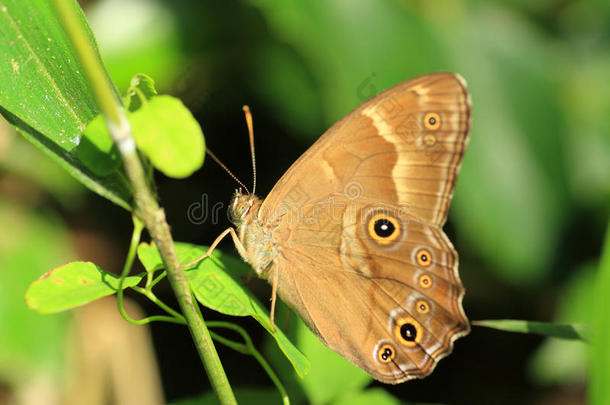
x,y
226,169
251,134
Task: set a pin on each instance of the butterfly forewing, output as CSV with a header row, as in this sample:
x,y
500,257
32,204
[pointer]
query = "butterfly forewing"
x,y
403,146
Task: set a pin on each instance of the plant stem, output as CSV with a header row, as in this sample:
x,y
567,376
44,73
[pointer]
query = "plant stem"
x,y
147,208
248,348
156,280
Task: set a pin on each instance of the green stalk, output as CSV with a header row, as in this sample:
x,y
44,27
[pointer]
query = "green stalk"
x,y
175,317
147,208
248,348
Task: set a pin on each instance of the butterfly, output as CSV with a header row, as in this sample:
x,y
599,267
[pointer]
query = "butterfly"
x,y
351,235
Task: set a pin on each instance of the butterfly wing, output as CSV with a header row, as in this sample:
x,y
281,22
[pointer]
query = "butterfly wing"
x,y
403,146
390,304
379,305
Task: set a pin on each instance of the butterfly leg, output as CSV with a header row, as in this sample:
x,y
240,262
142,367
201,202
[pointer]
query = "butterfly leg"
x,y
273,299
240,247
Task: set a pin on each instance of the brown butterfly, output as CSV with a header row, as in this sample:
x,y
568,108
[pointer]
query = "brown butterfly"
x,y
351,238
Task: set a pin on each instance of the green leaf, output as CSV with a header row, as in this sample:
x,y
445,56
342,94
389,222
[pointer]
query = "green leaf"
x,y
97,150
216,284
149,257
599,389
166,132
72,285
557,330
141,89
43,91
163,128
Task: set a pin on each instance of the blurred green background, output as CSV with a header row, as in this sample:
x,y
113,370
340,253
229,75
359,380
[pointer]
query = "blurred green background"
x,y
530,208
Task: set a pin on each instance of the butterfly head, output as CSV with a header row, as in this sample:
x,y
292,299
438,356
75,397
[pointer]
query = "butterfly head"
x,y
241,207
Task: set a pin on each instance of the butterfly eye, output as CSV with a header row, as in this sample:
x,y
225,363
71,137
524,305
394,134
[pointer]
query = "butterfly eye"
x,y
242,209
386,353
383,228
239,210
408,331
432,121
423,257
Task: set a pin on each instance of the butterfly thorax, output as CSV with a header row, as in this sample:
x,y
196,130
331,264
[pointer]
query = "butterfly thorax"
x,y
255,236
